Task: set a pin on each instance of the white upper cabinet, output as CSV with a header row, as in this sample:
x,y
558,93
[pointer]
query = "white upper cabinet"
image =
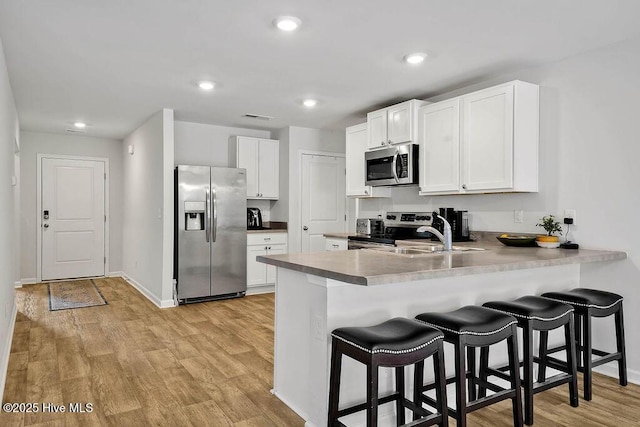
x,y
439,129
356,145
260,157
396,124
493,134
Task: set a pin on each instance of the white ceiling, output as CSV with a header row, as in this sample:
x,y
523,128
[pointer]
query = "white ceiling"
x,y
114,63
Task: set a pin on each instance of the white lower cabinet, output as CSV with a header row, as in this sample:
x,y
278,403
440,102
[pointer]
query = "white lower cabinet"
x,y
258,273
335,244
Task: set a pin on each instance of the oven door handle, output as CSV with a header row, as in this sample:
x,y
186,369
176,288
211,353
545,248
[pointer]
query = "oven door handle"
x,y
394,163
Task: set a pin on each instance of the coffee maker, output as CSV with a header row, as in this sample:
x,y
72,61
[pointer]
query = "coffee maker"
x,y
459,221
254,219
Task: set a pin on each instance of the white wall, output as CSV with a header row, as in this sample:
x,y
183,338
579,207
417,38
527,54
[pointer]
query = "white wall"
x,y
589,151
34,143
8,135
208,145
201,144
147,242
295,140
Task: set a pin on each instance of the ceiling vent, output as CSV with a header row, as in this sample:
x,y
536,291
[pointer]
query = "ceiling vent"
x,y
257,116
72,130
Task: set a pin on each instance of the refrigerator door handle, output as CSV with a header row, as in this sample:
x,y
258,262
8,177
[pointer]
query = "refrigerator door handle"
x,y
207,210
214,203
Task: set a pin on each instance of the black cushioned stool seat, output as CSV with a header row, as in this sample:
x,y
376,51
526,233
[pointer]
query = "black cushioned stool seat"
x,y
536,314
467,328
395,343
589,303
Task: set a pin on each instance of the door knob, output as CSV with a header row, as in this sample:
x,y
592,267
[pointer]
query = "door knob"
x,y
45,225
305,228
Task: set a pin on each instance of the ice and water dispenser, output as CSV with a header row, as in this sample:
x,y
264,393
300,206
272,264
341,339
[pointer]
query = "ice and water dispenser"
x,y
194,216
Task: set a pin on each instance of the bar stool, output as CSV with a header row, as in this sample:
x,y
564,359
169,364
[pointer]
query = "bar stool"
x,y
536,314
590,303
467,328
395,343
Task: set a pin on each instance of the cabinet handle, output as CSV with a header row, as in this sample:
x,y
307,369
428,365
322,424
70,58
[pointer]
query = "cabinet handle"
x,y
389,142
382,143
269,248
335,246
267,238
257,194
464,186
366,191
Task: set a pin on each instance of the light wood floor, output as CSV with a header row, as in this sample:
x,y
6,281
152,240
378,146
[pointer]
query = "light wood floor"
x,y
201,364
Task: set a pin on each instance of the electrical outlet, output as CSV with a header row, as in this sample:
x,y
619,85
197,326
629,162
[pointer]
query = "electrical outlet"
x,y
570,213
317,328
518,216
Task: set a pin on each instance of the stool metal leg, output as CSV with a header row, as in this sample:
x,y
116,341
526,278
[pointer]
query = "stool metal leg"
x,y
400,389
622,363
527,336
571,361
334,383
587,356
471,361
514,365
542,355
484,366
372,394
441,382
461,384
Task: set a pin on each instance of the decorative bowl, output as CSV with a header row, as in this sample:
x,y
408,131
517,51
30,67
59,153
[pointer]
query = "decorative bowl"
x,y
517,240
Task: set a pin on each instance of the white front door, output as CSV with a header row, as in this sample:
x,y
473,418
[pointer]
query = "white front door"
x,y
322,199
72,218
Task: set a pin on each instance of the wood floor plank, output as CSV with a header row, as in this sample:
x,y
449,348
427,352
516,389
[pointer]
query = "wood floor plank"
x,y
208,364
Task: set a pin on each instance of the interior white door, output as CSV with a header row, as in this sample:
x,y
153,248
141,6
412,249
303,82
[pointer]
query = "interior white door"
x,y
322,200
72,218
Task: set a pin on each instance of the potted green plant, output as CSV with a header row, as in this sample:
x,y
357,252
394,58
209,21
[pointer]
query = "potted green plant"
x,y
551,226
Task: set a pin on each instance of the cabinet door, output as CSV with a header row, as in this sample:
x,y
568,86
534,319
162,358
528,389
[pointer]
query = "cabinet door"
x,y
487,139
439,135
399,123
268,169
271,270
356,145
248,159
256,271
377,129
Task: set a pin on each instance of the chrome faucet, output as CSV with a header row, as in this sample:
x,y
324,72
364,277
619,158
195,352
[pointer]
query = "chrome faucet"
x,y
446,238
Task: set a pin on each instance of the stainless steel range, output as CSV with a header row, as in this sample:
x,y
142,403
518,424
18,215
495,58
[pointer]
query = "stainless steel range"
x,y
397,226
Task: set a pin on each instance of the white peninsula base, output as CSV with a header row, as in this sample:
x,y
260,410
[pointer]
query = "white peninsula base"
x,y
309,307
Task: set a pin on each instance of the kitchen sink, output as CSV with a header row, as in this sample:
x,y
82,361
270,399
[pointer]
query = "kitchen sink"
x,y
423,250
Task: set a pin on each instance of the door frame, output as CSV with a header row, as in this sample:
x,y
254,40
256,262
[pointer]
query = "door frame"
x,y
301,154
41,156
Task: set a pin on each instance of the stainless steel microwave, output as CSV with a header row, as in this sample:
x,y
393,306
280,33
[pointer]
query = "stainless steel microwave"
x,y
397,165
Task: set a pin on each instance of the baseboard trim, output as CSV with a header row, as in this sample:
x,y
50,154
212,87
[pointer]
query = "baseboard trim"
x,y
7,351
611,370
29,281
144,291
116,274
261,289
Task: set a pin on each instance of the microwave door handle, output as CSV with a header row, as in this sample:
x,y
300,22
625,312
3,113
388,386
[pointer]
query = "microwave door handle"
x,y
394,163
207,214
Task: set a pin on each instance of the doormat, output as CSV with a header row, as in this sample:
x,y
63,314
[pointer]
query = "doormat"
x,y
76,294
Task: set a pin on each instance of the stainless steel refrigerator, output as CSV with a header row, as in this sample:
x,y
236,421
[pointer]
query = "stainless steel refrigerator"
x,y
210,253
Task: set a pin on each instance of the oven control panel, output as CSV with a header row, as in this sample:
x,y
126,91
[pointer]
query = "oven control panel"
x,y
408,218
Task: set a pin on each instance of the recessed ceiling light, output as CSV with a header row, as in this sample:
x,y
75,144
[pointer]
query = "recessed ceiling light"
x,y
287,23
206,85
80,125
415,58
309,103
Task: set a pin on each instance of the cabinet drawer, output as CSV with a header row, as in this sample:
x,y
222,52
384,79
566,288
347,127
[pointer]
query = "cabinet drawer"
x,y
263,238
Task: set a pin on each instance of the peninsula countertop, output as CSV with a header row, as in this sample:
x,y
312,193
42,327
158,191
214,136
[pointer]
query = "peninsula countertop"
x,y
369,267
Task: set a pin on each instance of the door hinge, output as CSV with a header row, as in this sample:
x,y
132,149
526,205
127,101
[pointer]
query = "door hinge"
x,y
105,260
105,176
105,218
